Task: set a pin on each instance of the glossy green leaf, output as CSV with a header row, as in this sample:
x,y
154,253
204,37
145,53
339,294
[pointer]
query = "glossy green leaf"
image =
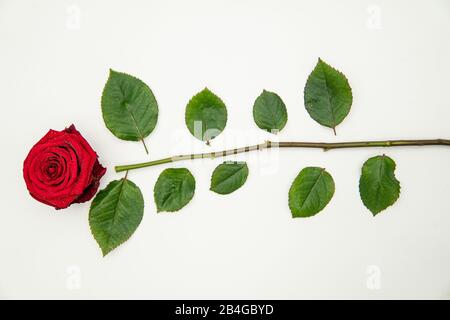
x,y
206,115
115,214
327,95
174,189
310,192
129,108
228,177
378,186
269,112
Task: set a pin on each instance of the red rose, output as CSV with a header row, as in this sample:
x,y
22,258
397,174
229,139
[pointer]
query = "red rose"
x,y
62,169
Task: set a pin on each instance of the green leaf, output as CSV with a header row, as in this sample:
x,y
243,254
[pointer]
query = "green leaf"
x,y
228,177
269,112
115,214
129,108
310,192
206,115
174,189
328,96
378,186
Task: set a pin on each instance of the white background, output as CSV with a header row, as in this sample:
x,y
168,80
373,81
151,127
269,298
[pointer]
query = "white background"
x,y
54,61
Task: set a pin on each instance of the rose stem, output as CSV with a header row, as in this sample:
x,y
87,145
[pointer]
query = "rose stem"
x,y
269,144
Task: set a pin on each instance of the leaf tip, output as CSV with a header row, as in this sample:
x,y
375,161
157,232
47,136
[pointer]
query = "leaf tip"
x,y
105,251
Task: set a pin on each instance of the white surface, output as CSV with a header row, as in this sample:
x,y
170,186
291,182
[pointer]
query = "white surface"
x,y
244,245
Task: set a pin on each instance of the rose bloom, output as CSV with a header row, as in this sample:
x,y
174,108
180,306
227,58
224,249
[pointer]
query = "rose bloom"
x,y
62,169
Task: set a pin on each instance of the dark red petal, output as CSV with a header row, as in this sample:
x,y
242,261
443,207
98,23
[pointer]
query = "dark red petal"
x,y
80,172
97,173
72,129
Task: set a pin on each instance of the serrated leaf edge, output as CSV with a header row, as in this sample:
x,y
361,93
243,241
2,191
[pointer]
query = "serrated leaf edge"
x,y
194,97
111,72
332,195
106,252
173,211
285,108
375,213
245,166
341,73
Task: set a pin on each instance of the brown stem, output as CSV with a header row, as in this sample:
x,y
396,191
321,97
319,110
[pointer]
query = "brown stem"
x,y
268,145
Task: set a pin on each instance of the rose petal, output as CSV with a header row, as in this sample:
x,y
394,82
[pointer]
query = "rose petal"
x,y
62,168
